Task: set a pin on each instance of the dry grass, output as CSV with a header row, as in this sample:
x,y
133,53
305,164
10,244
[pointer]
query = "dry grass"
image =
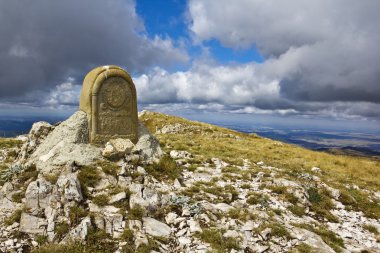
x,y
208,141
9,143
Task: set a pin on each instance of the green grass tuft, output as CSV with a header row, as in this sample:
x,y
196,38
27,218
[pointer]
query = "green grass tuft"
x,y
165,169
217,241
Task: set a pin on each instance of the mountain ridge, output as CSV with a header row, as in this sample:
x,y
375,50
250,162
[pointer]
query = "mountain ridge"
x,y
212,189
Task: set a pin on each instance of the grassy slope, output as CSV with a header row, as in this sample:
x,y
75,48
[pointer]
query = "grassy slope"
x,y
207,141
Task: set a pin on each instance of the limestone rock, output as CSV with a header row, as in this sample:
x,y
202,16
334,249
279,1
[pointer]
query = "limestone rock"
x,y
79,232
147,144
156,228
311,239
32,224
117,197
39,131
69,188
223,207
36,135
37,194
117,148
66,143
180,154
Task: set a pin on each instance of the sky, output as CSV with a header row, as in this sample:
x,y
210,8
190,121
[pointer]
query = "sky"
x,y
290,60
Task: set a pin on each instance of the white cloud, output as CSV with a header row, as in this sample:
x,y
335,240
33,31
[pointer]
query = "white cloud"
x,y
322,54
63,95
242,84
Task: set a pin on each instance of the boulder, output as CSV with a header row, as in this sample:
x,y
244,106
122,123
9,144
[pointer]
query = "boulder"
x,y
37,194
32,224
69,188
117,148
180,154
117,197
147,145
66,143
39,131
311,239
154,227
79,232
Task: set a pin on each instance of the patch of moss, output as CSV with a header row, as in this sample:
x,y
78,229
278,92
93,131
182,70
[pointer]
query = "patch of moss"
x,y
15,217
52,178
165,169
128,236
101,200
276,230
109,167
302,248
41,239
99,241
29,172
255,199
18,196
217,241
9,143
297,210
136,213
321,204
72,247
241,214
371,229
76,214
89,176
359,201
329,237
147,248
61,229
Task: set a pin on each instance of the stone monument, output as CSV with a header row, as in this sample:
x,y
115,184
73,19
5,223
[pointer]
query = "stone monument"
x,y
108,97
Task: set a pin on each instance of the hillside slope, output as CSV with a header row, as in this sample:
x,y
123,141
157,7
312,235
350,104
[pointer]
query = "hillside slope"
x,y
215,190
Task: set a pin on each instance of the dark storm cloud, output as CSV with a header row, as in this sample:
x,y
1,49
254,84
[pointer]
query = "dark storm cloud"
x,y
44,42
323,53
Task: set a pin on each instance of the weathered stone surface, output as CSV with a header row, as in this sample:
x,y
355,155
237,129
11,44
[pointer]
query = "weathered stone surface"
x,y
69,188
117,197
156,228
147,145
31,224
36,135
66,143
39,131
311,239
180,154
108,97
37,194
117,148
79,232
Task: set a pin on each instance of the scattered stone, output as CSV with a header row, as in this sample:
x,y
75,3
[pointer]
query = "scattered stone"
x,y
37,194
32,225
231,233
154,227
79,232
225,208
69,188
117,148
176,154
117,197
194,226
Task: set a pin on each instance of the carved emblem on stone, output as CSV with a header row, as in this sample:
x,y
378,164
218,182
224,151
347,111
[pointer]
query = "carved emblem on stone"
x,y
115,94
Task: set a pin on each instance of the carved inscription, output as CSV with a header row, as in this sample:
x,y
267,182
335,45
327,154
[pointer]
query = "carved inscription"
x,y
115,107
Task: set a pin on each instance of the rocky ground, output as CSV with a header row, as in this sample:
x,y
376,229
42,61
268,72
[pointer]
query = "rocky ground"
x,y
61,194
